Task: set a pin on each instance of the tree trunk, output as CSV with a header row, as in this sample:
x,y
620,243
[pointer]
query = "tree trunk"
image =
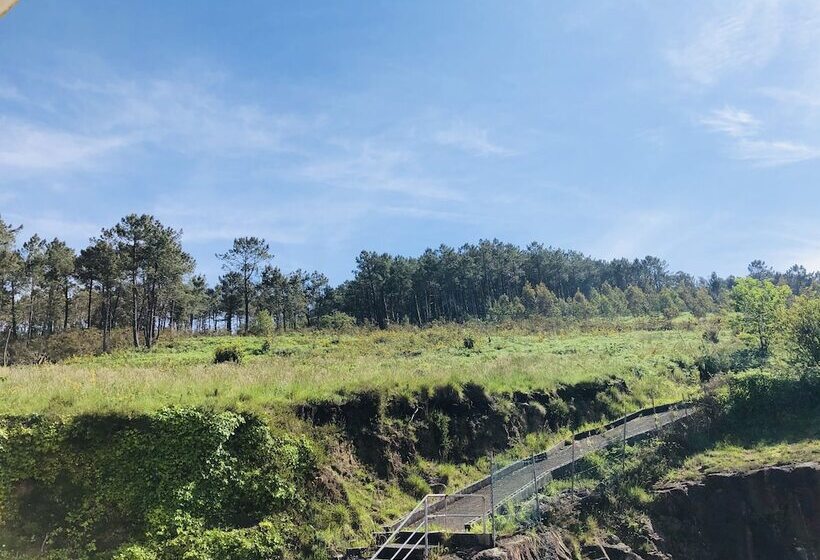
x,y
134,309
88,311
13,310
31,309
50,310
65,314
247,303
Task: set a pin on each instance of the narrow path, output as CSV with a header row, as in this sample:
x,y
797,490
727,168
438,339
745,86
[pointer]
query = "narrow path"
x,y
519,478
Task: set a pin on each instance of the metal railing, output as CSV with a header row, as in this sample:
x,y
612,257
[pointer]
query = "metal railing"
x,y
519,481
409,536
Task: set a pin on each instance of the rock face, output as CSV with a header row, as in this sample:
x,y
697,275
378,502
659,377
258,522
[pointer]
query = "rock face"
x,y
547,545
771,513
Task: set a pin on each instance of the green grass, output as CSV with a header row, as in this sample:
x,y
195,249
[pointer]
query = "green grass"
x,y
311,365
734,458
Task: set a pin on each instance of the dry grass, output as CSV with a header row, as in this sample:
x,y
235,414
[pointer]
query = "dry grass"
x,y
302,366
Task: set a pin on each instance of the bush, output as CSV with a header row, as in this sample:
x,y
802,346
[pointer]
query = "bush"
x,y
263,324
104,483
469,343
337,321
759,400
725,361
804,331
227,354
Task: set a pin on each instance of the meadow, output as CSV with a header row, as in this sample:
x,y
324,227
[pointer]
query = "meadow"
x,y
302,366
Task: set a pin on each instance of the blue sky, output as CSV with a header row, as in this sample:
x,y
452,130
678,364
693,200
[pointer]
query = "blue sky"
x,y
685,130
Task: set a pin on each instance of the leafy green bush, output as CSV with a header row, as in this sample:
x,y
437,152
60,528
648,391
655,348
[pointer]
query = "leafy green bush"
x,y
803,326
726,360
227,354
178,482
263,324
754,401
337,321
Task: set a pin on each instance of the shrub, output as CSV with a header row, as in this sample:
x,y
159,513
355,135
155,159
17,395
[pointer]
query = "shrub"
x,y
469,342
724,361
337,321
263,324
712,333
226,354
804,331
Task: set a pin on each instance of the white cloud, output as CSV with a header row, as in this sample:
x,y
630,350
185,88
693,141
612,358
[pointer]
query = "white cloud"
x,y
743,129
27,147
470,139
10,93
744,34
792,97
185,115
767,153
635,234
731,121
371,167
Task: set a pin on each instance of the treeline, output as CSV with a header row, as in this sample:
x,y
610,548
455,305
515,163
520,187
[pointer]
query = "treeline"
x,y
136,276
495,281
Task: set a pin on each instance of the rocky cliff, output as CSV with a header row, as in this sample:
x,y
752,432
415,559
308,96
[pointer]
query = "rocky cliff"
x,y
770,513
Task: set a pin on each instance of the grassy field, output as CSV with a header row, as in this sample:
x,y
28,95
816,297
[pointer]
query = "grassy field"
x,y
311,365
727,457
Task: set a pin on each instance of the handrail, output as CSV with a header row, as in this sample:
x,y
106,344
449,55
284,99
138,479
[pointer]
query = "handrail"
x,y
431,511
684,406
422,529
396,532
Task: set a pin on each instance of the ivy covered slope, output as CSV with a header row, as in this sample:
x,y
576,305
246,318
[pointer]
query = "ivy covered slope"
x,y
200,484
309,443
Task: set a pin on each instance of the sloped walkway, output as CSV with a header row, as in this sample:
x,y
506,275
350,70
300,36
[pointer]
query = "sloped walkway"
x,y
516,480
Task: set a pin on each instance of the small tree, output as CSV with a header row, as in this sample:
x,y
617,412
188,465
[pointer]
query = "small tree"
x,y
804,331
263,324
760,305
245,257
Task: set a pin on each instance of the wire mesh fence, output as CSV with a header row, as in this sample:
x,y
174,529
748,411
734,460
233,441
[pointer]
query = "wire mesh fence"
x,y
597,459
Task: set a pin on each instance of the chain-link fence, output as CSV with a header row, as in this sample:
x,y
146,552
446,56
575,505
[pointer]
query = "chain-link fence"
x,y
587,460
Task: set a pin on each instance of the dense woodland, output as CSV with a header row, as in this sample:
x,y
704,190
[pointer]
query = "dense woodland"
x,y
136,276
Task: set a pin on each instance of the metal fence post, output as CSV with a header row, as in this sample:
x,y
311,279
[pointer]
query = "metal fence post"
x,y
492,494
535,485
623,447
484,515
426,527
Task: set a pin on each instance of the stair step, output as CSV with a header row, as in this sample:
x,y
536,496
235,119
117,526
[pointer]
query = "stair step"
x,y
401,551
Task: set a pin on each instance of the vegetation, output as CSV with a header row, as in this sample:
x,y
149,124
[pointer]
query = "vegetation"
x,y
135,422
136,275
305,366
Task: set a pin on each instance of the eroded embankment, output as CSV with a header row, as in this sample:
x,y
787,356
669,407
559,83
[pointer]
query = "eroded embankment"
x,y
456,423
214,484
767,513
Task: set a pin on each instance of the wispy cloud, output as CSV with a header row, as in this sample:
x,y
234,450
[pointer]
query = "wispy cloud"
x,y
744,131
470,139
186,115
10,93
28,147
743,34
370,166
792,97
767,153
731,121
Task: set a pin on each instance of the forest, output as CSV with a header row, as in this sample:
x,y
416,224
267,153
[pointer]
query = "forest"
x,y
136,278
